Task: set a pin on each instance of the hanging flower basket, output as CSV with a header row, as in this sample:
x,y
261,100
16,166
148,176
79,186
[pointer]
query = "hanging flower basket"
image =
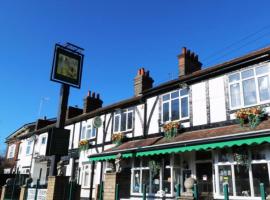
x,y
154,167
251,116
171,129
83,145
241,158
117,138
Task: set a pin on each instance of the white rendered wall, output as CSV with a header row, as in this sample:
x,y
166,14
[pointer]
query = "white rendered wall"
x,y
153,125
217,100
139,119
199,104
24,160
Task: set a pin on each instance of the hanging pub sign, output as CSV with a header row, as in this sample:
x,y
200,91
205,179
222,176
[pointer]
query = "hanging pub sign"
x,y
67,65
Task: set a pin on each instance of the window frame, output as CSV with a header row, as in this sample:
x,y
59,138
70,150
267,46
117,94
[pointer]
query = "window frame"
x,y
240,82
180,97
231,163
28,148
88,127
11,151
119,114
141,168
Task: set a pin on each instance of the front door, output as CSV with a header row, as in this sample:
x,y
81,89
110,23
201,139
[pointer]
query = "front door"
x,y
204,180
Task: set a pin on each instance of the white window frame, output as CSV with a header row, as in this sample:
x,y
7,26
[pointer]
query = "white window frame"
x,y
119,114
232,163
28,147
84,131
86,168
141,168
170,105
11,151
240,81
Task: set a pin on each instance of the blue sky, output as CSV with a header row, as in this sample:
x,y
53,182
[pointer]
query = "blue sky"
x,y
118,36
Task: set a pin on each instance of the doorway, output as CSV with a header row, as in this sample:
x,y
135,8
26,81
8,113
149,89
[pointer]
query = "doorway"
x,y
204,180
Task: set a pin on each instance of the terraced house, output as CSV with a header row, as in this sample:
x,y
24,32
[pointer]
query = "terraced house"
x,y
210,124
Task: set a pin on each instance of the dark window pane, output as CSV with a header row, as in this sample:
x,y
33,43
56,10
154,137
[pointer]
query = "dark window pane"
x,y
116,123
130,120
166,97
155,182
175,109
165,112
167,180
260,175
184,107
242,180
145,179
249,90
124,121
184,92
175,95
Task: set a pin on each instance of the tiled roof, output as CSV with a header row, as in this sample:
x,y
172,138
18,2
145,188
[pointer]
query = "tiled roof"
x,y
205,135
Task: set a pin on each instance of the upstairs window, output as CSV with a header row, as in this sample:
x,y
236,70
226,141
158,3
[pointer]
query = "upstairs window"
x,y
11,151
28,148
123,120
249,87
43,140
88,132
175,105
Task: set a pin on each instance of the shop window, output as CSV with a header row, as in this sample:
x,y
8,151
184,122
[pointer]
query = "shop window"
x,y
249,87
152,179
225,176
123,120
242,180
260,175
175,105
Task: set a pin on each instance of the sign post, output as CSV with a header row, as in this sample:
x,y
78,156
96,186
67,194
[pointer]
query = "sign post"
x,y
67,70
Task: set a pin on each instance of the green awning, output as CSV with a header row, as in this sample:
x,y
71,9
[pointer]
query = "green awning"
x,y
110,157
215,145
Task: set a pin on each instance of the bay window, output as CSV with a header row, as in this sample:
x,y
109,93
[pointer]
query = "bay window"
x,y
123,120
175,105
249,87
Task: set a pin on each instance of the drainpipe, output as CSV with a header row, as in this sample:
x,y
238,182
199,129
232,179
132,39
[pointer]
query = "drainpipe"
x,y
92,179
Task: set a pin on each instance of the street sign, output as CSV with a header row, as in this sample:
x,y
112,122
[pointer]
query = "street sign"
x,y
67,66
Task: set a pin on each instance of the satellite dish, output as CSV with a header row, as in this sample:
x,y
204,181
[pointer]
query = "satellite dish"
x,y
97,122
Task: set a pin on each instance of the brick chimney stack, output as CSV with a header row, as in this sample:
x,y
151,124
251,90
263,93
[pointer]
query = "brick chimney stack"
x,y
92,102
142,82
188,62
